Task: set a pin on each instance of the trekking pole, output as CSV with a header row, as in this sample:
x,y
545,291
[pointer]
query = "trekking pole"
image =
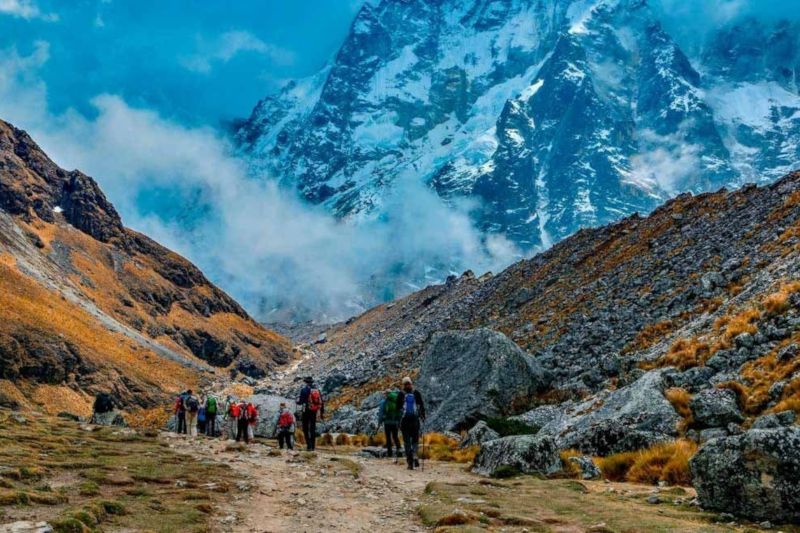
x,y
422,456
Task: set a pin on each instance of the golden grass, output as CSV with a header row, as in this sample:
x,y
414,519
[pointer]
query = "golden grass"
x,y
57,398
668,461
679,399
571,469
237,390
778,302
684,354
149,419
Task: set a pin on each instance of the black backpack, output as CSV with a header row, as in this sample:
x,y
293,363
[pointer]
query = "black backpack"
x,y
103,403
192,404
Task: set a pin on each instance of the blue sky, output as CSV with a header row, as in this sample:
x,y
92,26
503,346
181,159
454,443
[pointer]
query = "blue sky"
x,y
196,61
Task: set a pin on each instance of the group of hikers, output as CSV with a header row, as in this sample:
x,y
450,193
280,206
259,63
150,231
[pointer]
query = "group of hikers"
x,y
401,411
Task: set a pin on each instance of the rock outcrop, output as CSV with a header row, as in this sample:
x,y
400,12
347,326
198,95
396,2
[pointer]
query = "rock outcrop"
x,y
715,408
753,475
468,375
479,434
524,454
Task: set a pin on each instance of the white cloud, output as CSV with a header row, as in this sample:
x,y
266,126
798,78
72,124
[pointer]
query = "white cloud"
x,y
230,44
255,239
25,9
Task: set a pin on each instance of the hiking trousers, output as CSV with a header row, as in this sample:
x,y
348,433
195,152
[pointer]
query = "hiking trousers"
x,y
181,422
241,431
310,429
211,424
285,437
191,423
392,437
409,425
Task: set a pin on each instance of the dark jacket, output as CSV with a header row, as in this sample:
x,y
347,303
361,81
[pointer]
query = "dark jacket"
x,y
401,400
304,398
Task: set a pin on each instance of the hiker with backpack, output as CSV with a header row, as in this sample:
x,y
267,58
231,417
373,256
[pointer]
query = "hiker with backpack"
x,y
239,413
412,415
180,413
389,416
211,416
192,405
311,403
230,420
201,417
285,427
252,420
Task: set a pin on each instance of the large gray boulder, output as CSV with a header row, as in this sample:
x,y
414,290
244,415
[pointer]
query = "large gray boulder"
x,y
526,454
480,433
627,419
754,475
268,406
714,407
467,375
346,419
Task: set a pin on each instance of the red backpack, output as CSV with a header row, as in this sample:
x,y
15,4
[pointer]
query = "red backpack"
x,y
252,412
315,400
285,420
234,410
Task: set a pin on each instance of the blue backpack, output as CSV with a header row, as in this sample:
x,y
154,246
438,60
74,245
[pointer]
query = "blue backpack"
x,y
410,406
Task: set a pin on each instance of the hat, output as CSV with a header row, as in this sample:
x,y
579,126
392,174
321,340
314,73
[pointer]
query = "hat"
x,y
406,380
308,379
283,404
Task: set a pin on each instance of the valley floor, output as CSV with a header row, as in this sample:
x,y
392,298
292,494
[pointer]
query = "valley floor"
x,y
335,490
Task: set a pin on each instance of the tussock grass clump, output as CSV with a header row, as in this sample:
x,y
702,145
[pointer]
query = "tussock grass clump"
x,y
439,447
342,439
571,469
685,354
777,303
667,461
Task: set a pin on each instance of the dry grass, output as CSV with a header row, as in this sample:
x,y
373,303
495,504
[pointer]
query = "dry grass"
x,y
684,354
777,303
679,399
667,462
237,390
650,335
149,419
571,469
57,398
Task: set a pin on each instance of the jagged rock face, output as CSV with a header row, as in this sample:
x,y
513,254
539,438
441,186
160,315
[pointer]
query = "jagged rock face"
x,y
554,114
526,454
467,375
92,306
752,475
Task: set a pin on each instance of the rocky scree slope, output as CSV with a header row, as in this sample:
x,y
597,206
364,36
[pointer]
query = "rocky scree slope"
x,y
555,115
88,305
701,294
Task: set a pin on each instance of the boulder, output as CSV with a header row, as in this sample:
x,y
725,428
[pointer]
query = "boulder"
x,y
346,419
589,470
479,434
775,420
26,526
715,408
468,375
111,418
626,419
376,452
526,454
268,406
753,475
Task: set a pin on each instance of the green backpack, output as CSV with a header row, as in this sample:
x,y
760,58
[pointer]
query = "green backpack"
x,y
211,405
391,413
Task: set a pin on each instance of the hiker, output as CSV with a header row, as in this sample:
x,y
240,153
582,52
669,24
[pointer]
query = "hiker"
x,y
192,406
231,420
252,420
311,403
201,417
389,416
239,412
284,428
211,416
180,412
412,410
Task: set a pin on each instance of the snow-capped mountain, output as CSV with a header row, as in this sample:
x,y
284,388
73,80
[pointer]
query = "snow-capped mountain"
x,y
550,115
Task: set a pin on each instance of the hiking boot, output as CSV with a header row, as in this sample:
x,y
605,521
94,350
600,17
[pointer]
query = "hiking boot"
x,y
410,467
416,463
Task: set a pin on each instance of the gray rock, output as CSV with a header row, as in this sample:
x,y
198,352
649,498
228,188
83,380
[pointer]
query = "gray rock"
x,y
706,435
479,434
589,470
774,421
715,408
112,418
711,280
373,452
543,415
372,401
26,526
346,419
753,475
630,418
745,340
527,454
776,390
472,374
268,406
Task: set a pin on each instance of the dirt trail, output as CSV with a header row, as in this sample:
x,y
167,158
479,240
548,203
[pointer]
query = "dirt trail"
x,y
292,492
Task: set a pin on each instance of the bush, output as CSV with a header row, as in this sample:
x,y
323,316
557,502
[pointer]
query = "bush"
x,y
342,439
668,462
686,353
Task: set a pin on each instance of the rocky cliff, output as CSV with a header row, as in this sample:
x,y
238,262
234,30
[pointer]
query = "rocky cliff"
x,y
703,294
87,305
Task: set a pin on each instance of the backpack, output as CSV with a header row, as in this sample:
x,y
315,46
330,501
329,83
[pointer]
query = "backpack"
x,y
192,404
410,404
285,420
391,413
201,415
252,413
242,410
179,404
314,400
211,406
234,410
